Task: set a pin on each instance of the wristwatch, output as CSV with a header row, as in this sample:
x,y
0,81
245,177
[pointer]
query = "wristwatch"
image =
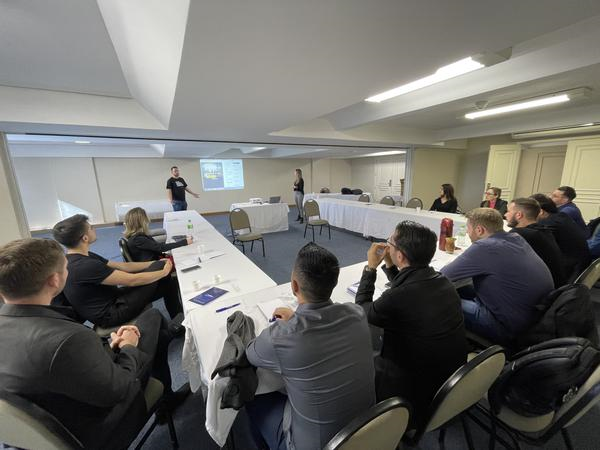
x,y
369,269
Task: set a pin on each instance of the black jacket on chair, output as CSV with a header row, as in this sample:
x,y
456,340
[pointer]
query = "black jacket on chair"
x,y
63,367
501,206
424,333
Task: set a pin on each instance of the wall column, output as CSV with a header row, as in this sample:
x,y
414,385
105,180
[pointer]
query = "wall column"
x,y
13,224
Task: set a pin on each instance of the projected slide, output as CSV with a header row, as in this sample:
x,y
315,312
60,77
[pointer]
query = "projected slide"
x,y
220,174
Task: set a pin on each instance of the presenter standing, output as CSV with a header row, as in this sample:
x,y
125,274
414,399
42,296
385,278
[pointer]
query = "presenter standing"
x,y
176,188
299,195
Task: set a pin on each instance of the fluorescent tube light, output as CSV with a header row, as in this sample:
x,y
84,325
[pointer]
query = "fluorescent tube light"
x,y
391,152
455,69
259,148
519,106
83,142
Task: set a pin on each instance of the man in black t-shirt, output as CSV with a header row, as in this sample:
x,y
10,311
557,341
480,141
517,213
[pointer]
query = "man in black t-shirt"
x,y
176,188
109,293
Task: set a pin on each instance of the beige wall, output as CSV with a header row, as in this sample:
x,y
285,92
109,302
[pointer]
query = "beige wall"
x,y
13,224
363,171
125,179
431,168
331,173
46,181
540,170
96,184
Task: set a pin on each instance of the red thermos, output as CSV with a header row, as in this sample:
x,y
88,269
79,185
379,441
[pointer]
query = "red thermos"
x,y
445,231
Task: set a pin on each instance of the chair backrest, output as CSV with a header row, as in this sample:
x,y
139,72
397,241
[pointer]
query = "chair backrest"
x,y
363,198
23,424
387,200
324,191
311,209
414,202
381,427
238,219
587,396
591,275
125,250
465,387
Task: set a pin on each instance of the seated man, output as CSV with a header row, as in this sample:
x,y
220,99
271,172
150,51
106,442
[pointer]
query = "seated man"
x,y
509,279
424,333
563,199
522,217
323,352
109,293
570,238
61,365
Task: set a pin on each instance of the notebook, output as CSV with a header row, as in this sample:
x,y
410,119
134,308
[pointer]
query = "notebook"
x,y
269,306
208,296
353,289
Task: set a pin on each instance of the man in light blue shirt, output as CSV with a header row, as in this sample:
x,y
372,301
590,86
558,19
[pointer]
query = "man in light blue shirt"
x,y
323,352
509,278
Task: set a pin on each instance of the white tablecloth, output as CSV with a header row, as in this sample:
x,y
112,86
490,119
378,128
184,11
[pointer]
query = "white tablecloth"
x,y
379,221
316,196
219,258
265,218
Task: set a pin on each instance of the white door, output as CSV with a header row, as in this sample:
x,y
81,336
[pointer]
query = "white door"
x,y
581,172
502,169
388,174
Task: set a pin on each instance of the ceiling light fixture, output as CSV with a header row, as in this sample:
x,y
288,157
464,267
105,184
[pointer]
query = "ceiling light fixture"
x,y
455,69
537,103
391,152
83,142
259,148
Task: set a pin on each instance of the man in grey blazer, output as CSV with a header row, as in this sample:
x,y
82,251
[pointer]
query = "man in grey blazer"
x,y
323,352
61,365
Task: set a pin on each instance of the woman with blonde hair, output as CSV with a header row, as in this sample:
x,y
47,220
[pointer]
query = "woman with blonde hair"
x,y
299,194
141,245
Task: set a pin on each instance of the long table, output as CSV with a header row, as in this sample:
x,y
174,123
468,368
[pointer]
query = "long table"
x,y
221,264
379,221
317,196
206,329
265,217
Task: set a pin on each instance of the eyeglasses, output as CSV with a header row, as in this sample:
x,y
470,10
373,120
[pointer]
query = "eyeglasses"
x,y
391,243
489,193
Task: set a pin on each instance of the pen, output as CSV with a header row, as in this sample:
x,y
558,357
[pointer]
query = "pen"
x,y
225,308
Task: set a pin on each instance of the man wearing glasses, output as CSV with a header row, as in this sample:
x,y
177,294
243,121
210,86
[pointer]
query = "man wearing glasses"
x,y
423,330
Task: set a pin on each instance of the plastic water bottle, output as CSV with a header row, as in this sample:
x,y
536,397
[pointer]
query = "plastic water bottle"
x,y
190,228
461,236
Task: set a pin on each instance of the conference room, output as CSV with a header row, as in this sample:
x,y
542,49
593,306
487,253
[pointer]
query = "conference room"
x,y
328,124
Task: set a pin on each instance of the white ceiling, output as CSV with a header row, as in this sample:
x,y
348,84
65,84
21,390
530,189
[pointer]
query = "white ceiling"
x,y
290,74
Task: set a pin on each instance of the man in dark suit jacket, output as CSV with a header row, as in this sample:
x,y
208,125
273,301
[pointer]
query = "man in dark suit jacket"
x,y
61,365
424,333
570,238
522,217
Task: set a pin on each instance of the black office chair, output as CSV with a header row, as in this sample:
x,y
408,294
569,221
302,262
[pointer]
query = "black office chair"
x,y
125,250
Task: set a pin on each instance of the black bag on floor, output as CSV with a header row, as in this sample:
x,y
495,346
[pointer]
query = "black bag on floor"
x,y
565,312
541,378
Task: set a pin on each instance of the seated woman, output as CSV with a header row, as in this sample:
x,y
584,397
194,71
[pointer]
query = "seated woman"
x,y
493,200
139,242
446,202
